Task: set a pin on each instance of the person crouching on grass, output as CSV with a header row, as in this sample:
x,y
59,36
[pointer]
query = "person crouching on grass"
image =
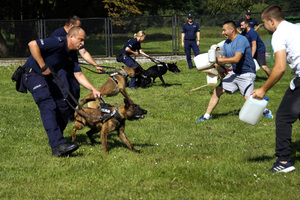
x,y
236,51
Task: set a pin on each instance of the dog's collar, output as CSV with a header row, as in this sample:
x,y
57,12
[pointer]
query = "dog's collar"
x,y
117,116
159,65
125,73
167,66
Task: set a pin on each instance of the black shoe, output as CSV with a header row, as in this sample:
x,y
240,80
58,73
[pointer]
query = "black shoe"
x,y
64,149
133,88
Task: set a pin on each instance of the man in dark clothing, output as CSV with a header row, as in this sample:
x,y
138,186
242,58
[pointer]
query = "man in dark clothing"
x,y
190,32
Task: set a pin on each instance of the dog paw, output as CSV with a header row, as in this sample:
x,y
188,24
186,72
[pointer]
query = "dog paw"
x,y
137,151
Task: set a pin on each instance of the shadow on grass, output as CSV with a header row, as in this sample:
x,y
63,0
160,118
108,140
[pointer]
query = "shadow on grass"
x,y
113,141
261,78
230,113
295,148
261,158
159,85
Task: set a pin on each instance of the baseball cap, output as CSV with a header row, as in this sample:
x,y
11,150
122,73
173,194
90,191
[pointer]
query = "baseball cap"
x,y
248,12
189,16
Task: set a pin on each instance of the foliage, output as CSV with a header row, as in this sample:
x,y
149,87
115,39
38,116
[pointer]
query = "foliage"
x,y
118,8
227,6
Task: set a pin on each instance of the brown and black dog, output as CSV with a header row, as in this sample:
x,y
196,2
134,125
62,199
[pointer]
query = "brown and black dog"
x,y
129,111
113,85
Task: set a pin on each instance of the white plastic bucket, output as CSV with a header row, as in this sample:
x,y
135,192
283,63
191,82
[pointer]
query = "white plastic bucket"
x,y
212,55
252,110
201,61
221,44
211,80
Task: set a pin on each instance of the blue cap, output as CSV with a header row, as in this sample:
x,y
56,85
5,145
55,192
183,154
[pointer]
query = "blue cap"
x,y
189,16
248,12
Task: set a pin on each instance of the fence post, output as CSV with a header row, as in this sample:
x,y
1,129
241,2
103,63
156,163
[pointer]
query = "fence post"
x,y
111,39
41,29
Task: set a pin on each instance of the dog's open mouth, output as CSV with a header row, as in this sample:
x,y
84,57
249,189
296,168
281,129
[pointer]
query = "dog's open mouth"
x,y
139,116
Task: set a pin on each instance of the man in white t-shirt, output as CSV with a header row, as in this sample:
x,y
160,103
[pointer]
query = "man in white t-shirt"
x,y
286,46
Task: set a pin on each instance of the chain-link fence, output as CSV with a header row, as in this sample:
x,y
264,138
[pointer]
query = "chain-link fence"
x,y
106,37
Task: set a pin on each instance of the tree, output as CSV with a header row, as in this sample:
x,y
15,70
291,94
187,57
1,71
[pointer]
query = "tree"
x,y
118,8
227,6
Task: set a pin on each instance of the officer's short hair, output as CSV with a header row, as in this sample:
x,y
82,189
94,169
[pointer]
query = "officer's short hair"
x,y
72,20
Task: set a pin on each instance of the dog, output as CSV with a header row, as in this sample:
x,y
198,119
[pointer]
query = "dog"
x,y
116,122
113,85
159,70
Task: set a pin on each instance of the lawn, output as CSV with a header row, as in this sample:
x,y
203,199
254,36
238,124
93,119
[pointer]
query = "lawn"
x,y
223,158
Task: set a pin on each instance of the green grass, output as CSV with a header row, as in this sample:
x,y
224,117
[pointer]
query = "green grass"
x,y
223,158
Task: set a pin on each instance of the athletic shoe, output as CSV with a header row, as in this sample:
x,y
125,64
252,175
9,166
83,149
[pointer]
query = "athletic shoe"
x,y
268,114
279,167
202,118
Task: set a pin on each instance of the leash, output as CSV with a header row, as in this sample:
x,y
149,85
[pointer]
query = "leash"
x,y
112,74
82,63
85,114
153,59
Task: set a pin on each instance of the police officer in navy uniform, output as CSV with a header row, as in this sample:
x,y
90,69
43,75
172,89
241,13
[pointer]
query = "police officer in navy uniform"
x,y
252,22
190,38
47,56
133,46
66,73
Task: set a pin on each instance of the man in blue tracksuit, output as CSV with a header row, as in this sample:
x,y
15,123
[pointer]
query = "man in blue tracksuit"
x,y
189,34
47,56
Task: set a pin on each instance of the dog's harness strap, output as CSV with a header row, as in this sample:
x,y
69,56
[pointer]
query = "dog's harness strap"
x,y
126,74
57,79
117,116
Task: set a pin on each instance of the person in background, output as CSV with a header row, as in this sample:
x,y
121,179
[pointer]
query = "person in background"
x,y
257,45
252,22
62,32
236,51
190,39
133,46
285,43
66,74
47,56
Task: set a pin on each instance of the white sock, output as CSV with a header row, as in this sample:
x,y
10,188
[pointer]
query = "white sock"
x,y
206,116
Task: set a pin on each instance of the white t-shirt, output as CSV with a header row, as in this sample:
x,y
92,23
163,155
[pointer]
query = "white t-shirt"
x,y
287,37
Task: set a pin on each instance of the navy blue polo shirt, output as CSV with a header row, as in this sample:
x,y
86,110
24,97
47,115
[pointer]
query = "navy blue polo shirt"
x,y
252,35
190,30
133,44
252,23
56,55
59,32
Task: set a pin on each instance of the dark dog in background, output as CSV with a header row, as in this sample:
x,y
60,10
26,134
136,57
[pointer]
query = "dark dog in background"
x,y
157,70
116,122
